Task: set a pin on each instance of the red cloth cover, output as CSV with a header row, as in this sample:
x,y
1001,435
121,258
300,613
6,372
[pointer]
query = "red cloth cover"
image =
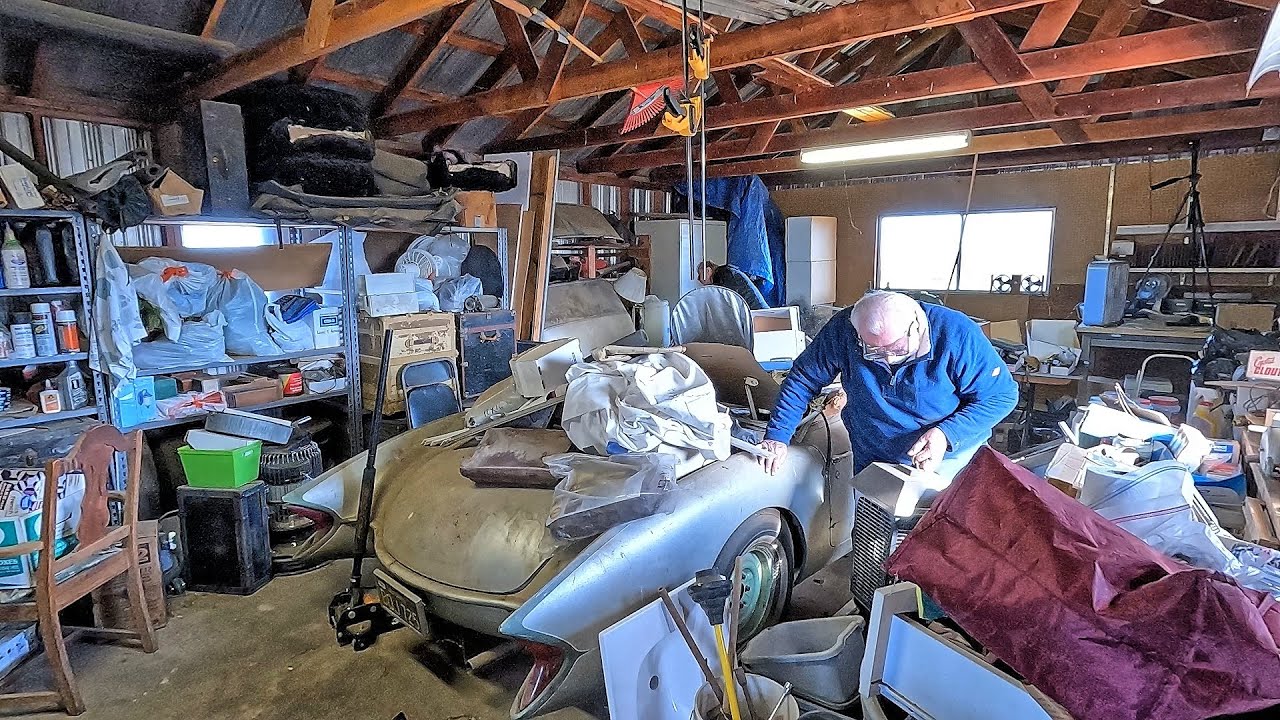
x,y
1098,620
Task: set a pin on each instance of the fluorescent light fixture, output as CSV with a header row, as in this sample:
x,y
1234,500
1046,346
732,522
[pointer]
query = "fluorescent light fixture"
x,y
882,149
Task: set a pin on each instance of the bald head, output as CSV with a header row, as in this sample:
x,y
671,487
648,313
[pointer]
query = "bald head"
x,y
884,317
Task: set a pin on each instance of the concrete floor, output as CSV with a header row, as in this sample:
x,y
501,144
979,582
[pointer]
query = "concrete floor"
x,y
272,656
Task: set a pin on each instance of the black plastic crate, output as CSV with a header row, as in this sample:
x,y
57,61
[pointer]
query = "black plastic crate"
x,y
226,538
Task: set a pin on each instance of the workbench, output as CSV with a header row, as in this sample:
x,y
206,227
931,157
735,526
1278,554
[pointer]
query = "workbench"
x,y
1107,354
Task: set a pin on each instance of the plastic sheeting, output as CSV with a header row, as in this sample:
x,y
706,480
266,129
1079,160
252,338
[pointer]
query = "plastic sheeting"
x,y
1161,506
116,319
658,403
595,493
712,314
1091,615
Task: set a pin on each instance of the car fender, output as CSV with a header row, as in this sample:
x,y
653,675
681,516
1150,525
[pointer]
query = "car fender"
x,y
623,569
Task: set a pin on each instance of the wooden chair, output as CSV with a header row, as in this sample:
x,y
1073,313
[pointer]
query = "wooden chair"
x,y
104,553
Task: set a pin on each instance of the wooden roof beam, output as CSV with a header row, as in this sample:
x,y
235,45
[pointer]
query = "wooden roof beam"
x,y
426,48
1162,47
996,53
1110,24
984,145
1050,23
522,54
840,25
1164,96
350,23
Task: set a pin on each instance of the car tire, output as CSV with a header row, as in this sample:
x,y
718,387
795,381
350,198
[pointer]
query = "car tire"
x,y
768,551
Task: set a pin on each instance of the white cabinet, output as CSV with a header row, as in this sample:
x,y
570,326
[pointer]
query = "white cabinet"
x,y
811,283
811,239
675,252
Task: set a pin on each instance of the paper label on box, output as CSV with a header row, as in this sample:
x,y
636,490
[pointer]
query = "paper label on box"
x,y
171,200
1263,365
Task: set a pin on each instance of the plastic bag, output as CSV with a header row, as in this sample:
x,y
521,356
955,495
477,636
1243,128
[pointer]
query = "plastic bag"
x,y
454,292
291,337
150,287
427,300
597,493
192,403
244,306
449,251
117,323
1159,504
188,285
201,342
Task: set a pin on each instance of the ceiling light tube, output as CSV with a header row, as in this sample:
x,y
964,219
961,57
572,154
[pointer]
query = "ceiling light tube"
x,y
884,149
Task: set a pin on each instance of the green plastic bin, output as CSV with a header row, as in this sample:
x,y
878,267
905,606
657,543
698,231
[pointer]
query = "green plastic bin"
x,y
224,469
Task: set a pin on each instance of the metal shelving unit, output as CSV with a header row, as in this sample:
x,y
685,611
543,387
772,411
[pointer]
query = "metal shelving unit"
x,y
85,291
348,350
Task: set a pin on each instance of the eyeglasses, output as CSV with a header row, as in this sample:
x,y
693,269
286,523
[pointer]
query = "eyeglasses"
x,y
898,348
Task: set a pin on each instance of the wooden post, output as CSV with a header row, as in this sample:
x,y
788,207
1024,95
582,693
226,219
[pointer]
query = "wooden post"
x,y
533,263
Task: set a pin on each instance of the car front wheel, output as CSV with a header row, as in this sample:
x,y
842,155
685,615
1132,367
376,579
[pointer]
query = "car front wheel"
x,y
764,543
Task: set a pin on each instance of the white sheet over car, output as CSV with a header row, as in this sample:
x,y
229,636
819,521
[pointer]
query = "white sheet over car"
x,y
659,403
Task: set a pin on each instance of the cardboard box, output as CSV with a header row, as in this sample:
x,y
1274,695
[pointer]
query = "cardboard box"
x,y
412,335
326,326
394,403
777,334
1007,330
112,601
479,209
134,402
542,369
386,283
256,391
1246,316
171,196
384,305
1047,339
20,188
1263,365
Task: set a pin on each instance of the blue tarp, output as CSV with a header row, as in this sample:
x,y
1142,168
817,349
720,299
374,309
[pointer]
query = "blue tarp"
x,y
757,230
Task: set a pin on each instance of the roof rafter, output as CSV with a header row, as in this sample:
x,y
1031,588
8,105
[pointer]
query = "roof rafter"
x,y
840,25
426,48
1161,47
1110,24
1163,96
350,23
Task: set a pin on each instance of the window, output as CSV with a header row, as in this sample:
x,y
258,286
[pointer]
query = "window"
x,y
920,252
226,235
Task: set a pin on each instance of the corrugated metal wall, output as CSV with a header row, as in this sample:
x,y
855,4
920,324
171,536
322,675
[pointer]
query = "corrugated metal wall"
x,y
73,146
15,128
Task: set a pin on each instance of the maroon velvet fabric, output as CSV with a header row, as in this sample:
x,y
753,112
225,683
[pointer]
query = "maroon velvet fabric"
x,y
1091,615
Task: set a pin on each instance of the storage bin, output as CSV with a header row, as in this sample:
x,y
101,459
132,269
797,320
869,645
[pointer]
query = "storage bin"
x,y
224,469
225,538
819,657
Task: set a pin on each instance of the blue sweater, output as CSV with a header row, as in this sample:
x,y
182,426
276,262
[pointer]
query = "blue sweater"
x,y
961,386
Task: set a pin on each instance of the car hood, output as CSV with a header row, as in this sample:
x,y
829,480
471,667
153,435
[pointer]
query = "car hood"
x,y
438,524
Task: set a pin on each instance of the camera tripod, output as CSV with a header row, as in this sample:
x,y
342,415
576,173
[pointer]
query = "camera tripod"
x,y
1190,213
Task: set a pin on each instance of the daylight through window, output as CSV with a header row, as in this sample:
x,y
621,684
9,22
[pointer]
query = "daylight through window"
x,y
926,252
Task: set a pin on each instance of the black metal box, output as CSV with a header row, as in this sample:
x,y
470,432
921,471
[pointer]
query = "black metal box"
x,y
486,343
225,538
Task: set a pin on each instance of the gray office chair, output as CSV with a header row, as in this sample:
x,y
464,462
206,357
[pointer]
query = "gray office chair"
x,y
430,391
712,314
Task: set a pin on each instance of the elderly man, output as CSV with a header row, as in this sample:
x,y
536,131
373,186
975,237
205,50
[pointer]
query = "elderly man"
x,y
924,385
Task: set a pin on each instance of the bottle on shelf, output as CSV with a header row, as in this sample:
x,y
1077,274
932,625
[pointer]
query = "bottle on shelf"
x,y
42,329
68,330
72,388
50,399
46,257
14,260
24,343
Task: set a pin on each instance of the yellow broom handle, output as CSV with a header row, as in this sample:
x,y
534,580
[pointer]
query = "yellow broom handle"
x,y
731,692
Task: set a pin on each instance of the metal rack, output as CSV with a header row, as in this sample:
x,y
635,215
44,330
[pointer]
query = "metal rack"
x,y
85,290
348,349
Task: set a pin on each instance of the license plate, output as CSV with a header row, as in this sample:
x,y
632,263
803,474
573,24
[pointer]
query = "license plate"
x,y
402,602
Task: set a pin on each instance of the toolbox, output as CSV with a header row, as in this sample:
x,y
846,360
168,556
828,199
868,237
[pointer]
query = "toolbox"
x,y
486,343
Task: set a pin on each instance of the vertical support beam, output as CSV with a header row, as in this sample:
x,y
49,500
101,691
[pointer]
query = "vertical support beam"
x,y
533,263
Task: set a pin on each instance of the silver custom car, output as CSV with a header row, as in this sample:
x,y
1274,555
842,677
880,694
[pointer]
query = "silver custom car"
x,y
483,559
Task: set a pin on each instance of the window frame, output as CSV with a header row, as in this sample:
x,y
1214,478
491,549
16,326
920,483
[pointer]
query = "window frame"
x,y
1053,229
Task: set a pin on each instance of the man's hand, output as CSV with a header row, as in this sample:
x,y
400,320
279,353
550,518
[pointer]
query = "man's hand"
x,y
928,451
774,464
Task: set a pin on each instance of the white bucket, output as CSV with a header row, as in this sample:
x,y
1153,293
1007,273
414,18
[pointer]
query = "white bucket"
x,y
759,693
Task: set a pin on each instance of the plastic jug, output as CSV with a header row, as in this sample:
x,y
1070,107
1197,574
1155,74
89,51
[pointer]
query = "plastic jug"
x,y
656,316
